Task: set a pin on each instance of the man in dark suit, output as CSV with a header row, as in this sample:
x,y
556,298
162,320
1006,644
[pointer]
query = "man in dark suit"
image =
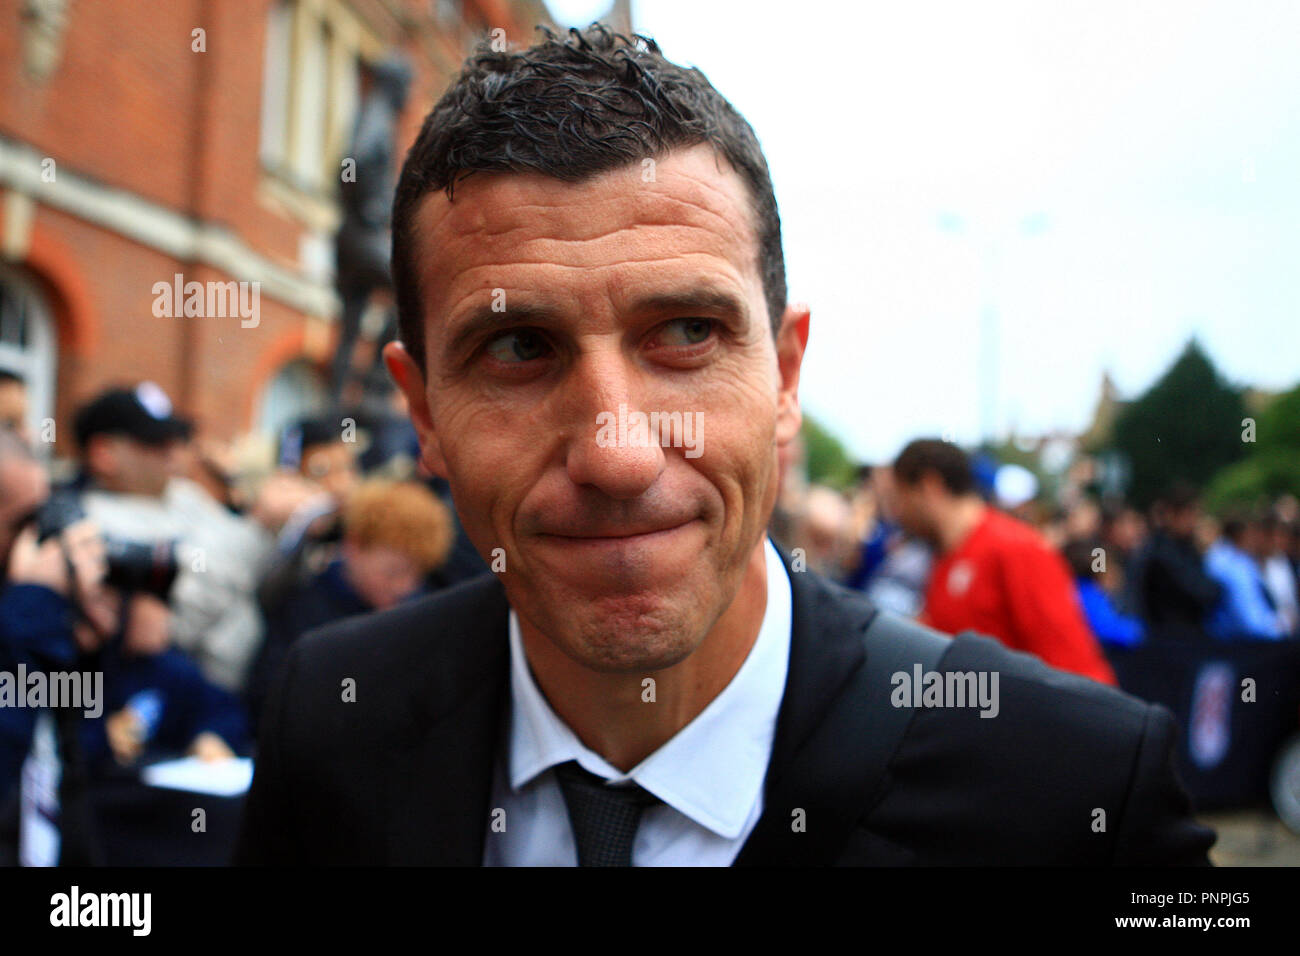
x,y
644,679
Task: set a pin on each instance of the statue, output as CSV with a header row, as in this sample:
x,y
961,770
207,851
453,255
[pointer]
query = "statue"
x,y
364,243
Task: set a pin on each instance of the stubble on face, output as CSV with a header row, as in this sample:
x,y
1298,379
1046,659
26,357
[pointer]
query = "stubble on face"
x,y
623,557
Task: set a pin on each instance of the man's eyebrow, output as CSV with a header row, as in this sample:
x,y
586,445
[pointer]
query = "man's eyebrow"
x,y
691,301
485,319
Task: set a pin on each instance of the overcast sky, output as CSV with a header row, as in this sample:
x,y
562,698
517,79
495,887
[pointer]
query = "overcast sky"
x,y
1107,178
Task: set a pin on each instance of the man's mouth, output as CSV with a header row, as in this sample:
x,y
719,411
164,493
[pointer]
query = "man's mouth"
x,y
614,534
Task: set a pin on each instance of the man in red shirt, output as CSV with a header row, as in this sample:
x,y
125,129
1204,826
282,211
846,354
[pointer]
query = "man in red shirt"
x,y
993,574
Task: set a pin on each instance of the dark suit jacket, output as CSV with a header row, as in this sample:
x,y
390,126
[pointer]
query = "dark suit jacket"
x,y
403,774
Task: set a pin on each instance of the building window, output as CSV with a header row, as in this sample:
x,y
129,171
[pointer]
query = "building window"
x,y
310,79
27,344
296,391
275,85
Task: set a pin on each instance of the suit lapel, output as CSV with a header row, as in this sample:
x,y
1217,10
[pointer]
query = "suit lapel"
x,y
439,771
825,709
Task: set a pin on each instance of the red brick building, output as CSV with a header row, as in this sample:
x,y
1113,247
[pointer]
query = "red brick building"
x,y
140,140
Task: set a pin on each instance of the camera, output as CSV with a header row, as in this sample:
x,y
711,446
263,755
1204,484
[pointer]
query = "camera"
x,y
133,566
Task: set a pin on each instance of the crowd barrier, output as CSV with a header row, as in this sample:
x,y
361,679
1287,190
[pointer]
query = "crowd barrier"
x,y
1236,703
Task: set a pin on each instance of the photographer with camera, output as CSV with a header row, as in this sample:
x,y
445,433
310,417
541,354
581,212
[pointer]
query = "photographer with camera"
x,y
155,697
73,600
55,605
133,457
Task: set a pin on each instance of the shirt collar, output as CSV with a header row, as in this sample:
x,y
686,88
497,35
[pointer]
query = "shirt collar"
x,y
712,770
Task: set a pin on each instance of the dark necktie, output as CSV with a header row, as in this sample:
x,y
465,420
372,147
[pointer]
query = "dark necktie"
x,y
604,817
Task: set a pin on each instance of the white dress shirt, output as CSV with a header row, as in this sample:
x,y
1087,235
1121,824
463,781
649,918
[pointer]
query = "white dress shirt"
x,y
709,775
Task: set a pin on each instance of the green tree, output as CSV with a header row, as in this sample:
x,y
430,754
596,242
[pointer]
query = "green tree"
x,y
827,461
1187,426
1272,465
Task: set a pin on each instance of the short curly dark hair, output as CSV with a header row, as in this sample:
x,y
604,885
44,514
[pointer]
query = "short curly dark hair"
x,y
944,458
571,109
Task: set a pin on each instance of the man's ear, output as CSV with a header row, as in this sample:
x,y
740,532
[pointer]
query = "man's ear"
x,y
410,380
931,485
791,340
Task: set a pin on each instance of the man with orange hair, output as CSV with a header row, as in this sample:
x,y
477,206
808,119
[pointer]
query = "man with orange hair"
x,y
395,534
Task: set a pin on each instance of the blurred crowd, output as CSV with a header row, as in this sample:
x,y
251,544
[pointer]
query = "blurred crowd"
x,y
184,575
960,543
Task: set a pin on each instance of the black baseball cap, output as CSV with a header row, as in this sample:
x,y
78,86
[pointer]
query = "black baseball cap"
x,y
303,435
143,413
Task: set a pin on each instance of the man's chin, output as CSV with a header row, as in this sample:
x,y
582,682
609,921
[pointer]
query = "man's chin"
x,y
637,633
631,656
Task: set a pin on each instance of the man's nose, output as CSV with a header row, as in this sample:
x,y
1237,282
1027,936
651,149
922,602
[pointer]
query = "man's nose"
x,y
607,447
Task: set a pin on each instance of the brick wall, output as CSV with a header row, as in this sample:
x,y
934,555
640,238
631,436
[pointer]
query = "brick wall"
x,y
132,107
